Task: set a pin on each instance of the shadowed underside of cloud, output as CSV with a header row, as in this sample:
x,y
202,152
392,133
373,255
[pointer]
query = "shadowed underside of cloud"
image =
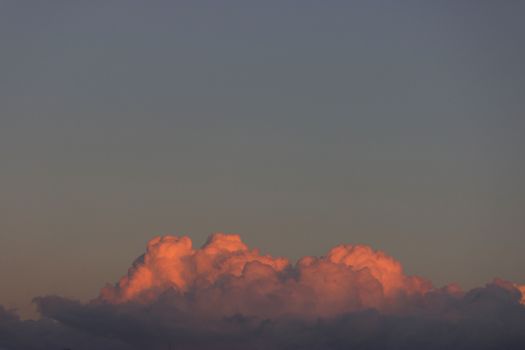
x,y
226,296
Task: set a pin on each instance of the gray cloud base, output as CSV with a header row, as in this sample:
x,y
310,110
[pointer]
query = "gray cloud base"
x,y
490,317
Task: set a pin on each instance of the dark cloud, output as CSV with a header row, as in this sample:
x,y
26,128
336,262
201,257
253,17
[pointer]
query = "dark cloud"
x,y
48,334
490,317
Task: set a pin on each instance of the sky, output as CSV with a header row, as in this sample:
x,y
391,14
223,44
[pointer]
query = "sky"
x,y
297,125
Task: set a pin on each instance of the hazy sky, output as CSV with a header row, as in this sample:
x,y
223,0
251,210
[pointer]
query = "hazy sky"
x,y
298,125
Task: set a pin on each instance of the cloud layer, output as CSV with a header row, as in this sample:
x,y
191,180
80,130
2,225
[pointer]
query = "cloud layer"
x,y
226,296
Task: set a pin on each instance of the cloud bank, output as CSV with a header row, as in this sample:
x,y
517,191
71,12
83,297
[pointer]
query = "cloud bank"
x,y
227,296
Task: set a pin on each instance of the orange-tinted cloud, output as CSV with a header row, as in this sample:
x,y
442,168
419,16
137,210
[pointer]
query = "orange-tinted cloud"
x,y
225,276
225,295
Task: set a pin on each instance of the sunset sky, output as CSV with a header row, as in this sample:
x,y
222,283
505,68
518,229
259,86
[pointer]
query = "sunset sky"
x,y
297,125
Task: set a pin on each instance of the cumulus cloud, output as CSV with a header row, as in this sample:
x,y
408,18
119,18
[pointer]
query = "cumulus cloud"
x,y
227,296
225,273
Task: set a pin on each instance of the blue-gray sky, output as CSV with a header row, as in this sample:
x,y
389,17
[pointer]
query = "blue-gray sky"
x,y
298,125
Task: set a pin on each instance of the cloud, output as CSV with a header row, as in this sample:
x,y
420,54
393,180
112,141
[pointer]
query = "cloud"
x,y
46,333
227,296
227,275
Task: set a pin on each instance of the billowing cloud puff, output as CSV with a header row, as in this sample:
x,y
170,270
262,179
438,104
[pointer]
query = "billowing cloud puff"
x,y
522,290
171,262
227,274
227,296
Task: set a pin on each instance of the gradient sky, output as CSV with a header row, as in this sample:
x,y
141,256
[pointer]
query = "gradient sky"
x,y
298,125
